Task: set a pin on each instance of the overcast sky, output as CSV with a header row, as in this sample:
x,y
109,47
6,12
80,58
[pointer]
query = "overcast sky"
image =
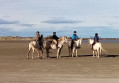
x,y
87,17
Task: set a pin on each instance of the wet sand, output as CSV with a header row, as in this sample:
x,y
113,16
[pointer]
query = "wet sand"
x,y
16,68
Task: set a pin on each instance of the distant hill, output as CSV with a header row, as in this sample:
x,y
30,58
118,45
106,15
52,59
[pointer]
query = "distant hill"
x,y
16,38
49,37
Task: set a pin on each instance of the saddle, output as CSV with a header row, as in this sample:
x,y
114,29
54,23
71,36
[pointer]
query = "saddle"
x,y
54,41
40,44
54,44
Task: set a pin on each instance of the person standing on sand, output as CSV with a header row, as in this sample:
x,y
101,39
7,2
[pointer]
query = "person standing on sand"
x,y
74,38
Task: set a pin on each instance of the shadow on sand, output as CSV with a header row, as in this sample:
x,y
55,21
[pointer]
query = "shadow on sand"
x,y
110,55
103,55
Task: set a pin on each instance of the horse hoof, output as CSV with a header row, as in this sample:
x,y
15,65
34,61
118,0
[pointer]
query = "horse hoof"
x,y
32,58
41,57
27,57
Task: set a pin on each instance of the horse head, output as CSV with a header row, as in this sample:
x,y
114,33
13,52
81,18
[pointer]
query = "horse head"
x,y
91,41
64,38
78,42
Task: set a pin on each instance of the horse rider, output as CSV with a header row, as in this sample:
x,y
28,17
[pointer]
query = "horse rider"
x,y
96,39
37,36
55,39
38,39
74,38
41,41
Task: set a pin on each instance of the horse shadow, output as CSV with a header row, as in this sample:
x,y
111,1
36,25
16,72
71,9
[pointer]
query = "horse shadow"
x,y
103,55
56,57
110,55
84,55
90,55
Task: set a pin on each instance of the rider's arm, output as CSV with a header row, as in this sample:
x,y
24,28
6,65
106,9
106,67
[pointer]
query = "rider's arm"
x,y
73,37
76,37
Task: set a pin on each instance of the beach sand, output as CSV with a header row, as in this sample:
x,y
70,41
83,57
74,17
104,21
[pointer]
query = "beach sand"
x,y
16,68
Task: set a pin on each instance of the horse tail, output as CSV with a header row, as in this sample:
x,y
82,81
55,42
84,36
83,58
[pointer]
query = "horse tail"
x,y
103,49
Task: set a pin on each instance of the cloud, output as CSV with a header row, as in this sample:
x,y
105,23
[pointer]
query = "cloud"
x,y
28,25
60,21
3,21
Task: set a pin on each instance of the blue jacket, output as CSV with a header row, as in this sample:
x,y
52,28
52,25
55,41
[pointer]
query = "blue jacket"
x,y
74,37
96,39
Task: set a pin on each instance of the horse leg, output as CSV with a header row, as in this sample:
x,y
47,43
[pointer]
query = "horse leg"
x,y
47,53
76,52
96,53
69,51
58,53
38,54
93,53
33,53
73,51
28,52
41,53
100,52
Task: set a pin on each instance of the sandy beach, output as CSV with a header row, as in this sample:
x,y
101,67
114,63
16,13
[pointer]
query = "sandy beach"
x,y
16,68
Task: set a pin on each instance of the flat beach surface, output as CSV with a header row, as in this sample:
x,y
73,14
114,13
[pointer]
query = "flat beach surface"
x,y
16,68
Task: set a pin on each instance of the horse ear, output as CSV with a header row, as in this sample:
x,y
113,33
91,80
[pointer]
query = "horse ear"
x,y
59,39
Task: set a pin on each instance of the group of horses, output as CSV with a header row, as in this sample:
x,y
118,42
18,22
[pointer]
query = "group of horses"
x,y
47,45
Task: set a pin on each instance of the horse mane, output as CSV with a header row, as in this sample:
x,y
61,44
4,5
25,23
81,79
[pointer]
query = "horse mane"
x,y
62,38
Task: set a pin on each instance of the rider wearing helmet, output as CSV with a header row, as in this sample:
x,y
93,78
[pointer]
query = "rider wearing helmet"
x,y
55,39
55,36
38,39
74,38
37,36
96,39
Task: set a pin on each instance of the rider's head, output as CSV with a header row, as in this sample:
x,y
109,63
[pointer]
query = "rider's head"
x,y
74,32
54,33
96,34
37,32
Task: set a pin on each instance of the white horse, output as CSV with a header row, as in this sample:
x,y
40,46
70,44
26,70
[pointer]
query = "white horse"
x,y
75,47
34,46
97,48
50,45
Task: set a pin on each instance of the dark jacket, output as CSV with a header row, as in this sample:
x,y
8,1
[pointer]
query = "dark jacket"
x,y
55,37
96,39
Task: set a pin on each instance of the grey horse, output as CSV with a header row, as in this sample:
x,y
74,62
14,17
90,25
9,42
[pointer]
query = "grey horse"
x,y
36,46
74,47
50,45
